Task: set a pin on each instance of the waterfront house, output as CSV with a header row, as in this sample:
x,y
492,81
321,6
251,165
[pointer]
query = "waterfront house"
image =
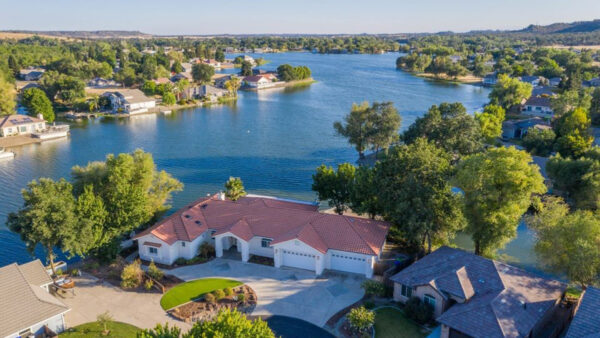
x,y
208,92
554,81
537,106
532,80
541,91
490,79
181,76
17,124
257,82
292,233
129,101
250,59
472,296
220,79
31,73
27,308
519,128
586,322
212,62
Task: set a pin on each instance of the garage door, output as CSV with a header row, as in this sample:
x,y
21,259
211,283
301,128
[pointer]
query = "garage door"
x,y
299,260
342,262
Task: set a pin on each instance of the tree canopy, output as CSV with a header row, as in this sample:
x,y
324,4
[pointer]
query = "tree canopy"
x,y
490,121
8,96
509,92
230,324
37,103
234,188
334,186
202,73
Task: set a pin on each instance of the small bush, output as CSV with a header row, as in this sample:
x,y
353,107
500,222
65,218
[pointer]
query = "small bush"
x,y
361,319
155,272
148,284
241,297
369,304
418,311
209,298
373,288
132,274
228,291
74,272
206,250
180,261
219,294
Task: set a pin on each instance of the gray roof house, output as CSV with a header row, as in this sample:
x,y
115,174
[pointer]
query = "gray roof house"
x,y
207,91
26,306
31,73
587,318
534,80
518,128
478,297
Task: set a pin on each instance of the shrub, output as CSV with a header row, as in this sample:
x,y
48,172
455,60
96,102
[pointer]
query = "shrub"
x,y
361,319
241,297
74,272
373,288
228,291
206,250
209,298
148,284
131,276
418,311
219,294
155,272
180,261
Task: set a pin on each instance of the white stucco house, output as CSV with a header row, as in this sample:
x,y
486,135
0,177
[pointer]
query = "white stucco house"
x,y
293,233
538,106
257,82
27,308
18,124
130,101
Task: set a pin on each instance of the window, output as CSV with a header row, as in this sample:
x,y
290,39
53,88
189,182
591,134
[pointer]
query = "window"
x,y
406,291
23,129
153,251
265,242
183,244
429,300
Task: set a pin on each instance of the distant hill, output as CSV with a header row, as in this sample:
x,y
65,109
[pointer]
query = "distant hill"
x,y
83,34
573,27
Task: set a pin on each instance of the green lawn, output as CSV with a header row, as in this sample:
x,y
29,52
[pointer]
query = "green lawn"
x,y
390,322
117,329
191,290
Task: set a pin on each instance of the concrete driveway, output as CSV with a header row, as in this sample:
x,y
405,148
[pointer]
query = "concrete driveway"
x,y
285,291
92,298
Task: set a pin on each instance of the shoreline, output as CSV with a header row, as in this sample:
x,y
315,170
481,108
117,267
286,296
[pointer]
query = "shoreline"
x,y
290,84
467,79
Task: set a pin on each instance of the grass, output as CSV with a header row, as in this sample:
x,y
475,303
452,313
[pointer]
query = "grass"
x,y
390,322
93,329
195,289
573,292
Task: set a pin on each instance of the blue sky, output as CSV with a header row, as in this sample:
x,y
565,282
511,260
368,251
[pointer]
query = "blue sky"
x,y
289,16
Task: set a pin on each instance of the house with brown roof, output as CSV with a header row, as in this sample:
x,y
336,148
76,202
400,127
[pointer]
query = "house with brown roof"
x,y
18,124
473,296
26,306
586,323
292,233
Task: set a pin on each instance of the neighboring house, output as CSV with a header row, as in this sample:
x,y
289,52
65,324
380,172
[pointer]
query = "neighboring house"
x,y
26,306
537,106
102,83
187,67
518,128
586,323
595,82
478,297
203,91
257,82
31,74
455,58
250,59
16,124
532,80
490,79
181,76
554,81
220,79
212,62
543,91
162,80
130,101
293,233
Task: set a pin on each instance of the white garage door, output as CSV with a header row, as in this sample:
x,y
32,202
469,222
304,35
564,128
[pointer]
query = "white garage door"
x,y
299,260
348,263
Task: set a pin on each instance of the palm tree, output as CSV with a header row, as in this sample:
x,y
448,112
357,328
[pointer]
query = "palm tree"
x,y
233,85
234,188
104,319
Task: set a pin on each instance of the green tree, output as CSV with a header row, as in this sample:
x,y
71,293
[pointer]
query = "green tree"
x,y
47,217
286,73
334,186
385,125
595,106
219,55
176,67
539,142
202,73
13,64
573,133
8,96
356,127
149,88
160,331
36,102
568,243
126,76
364,197
498,186
361,319
168,99
246,68
104,319
412,185
232,85
509,92
578,178
449,127
490,121
230,324
568,101
234,188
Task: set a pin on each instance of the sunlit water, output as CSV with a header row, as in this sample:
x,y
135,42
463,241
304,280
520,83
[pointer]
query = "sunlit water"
x,y
274,139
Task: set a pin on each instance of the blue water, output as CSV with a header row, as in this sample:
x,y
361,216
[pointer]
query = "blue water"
x,y
273,140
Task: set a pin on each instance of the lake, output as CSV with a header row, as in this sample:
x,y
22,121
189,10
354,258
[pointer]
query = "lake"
x,y
273,139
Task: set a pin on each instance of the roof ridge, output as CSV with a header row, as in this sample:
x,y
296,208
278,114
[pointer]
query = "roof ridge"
x,y
30,288
358,233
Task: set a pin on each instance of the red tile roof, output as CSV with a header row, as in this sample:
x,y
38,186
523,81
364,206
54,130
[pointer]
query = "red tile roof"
x,y
280,220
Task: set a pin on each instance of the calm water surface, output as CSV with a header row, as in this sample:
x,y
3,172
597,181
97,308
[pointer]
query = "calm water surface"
x,y
274,139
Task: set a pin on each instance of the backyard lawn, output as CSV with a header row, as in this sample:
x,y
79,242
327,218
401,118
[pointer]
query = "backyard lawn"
x,y
93,329
191,290
390,322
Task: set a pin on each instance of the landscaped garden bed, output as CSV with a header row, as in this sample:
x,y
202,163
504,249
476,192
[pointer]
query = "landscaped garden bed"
x,y
95,329
261,260
202,299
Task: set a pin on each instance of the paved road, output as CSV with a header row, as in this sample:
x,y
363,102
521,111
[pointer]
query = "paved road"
x,y
286,291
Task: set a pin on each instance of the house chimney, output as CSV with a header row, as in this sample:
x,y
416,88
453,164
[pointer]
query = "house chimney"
x,y
221,196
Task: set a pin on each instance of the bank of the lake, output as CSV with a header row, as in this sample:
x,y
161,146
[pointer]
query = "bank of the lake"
x,y
274,139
